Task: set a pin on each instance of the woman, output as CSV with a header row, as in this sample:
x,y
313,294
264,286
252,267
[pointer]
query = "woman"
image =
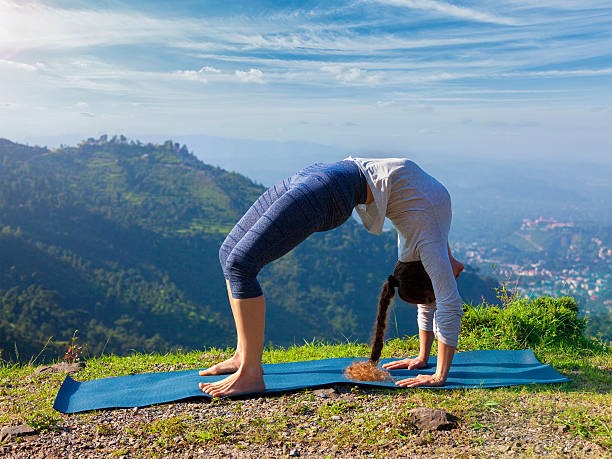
x,y
322,197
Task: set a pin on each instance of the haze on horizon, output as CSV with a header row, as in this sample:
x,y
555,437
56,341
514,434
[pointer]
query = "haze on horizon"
x,y
462,78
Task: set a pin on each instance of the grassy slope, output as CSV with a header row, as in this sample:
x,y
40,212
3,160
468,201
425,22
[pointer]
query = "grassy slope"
x,y
376,420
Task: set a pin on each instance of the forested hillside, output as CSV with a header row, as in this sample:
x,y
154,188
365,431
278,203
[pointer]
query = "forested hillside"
x,y
119,241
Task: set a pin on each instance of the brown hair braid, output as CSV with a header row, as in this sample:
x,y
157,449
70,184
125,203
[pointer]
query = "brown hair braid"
x,y
414,286
369,371
384,300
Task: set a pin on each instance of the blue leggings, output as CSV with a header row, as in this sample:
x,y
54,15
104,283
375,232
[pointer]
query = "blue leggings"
x,y
318,198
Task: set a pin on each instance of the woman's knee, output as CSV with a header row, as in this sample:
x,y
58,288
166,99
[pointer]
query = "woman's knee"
x,y
242,275
239,265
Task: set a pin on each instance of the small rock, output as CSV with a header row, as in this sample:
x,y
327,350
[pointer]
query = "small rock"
x,y
420,441
327,393
431,419
335,418
294,452
9,432
62,367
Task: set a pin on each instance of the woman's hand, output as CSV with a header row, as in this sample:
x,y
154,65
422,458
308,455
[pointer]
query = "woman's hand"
x,y
422,380
445,357
409,364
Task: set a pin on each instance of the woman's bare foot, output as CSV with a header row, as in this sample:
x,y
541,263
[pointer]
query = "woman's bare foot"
x,y
230,365
241,382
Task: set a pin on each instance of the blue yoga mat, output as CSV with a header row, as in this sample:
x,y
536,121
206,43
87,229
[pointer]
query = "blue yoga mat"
x,y
475,369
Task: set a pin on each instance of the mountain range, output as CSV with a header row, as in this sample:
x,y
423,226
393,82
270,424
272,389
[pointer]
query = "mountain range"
x,y
117,241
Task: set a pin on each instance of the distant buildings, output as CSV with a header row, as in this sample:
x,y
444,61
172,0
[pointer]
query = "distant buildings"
x,y
548,257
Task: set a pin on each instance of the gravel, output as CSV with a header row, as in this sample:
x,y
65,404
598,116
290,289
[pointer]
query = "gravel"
x,y
126,433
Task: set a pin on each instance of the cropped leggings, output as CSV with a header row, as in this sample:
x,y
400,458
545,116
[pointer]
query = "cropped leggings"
x,y
317,198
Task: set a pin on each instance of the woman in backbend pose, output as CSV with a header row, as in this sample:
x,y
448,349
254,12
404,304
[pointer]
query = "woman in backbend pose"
x,y
320,198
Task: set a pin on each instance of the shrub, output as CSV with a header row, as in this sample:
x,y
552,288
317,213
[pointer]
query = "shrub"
x,y
524,323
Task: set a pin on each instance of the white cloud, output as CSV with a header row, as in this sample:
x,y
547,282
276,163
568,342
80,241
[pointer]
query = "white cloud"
x,y
34,25
449,9
208,69
563,73
21,65
385,103
197,75
351,75
192,75
252,76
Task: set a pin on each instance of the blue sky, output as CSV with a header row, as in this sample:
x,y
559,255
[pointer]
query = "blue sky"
x,y
504,78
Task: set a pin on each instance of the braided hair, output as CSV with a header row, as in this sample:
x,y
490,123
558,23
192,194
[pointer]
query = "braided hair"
x,y
384,300
414,286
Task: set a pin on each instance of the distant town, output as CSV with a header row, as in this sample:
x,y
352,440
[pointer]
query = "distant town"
x,y
545,256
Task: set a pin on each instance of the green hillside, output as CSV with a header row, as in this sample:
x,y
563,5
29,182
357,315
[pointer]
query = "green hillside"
x,y
119,240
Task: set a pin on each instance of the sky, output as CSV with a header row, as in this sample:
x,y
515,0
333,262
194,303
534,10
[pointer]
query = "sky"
x,y
505,78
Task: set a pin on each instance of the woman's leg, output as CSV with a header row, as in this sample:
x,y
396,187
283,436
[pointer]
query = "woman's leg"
x,y
282,227
250,316
233,363
307,207
252,215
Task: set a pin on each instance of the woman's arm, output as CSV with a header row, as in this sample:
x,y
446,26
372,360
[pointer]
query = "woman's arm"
x,y
449,306
436,259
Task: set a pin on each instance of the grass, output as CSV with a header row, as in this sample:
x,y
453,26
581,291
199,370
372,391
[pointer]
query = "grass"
x,y
365,418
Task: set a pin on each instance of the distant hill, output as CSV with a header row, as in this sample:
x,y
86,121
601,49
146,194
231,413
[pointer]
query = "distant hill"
x,y
119,240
